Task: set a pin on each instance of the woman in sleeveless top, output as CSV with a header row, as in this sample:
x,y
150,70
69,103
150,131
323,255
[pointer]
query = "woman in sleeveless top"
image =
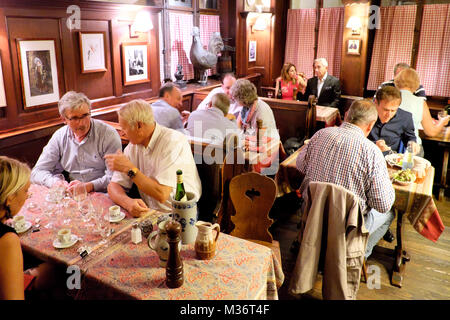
x,y
289,83
407,81
14,184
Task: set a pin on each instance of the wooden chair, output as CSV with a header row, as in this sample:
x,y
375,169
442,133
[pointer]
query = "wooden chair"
x,y
253,195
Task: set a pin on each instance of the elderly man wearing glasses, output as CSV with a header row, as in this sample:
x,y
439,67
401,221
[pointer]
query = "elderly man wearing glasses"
x,y
78,148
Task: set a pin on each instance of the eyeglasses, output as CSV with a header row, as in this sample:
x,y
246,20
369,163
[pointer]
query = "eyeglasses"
x,y
83,116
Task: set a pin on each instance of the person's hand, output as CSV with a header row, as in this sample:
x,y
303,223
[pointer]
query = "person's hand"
x,y
381,144
415,147
118,162
185,115
136,207
78,184
443,120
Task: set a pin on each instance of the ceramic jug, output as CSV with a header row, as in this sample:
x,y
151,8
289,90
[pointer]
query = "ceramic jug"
x,y
157,240
185,212
205,244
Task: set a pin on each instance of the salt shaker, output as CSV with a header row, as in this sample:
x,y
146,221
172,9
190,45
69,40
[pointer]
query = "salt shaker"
x,y
136,235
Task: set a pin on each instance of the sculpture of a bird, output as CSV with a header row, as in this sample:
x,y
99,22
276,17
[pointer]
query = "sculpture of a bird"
x,y
204,59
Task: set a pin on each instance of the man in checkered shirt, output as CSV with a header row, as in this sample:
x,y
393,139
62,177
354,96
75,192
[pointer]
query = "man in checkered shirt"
x,y
344,156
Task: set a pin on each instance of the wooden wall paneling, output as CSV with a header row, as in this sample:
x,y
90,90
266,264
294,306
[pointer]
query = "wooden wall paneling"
x,y
8,80
97,84
279,23
116,58
353,67
417,28
34,28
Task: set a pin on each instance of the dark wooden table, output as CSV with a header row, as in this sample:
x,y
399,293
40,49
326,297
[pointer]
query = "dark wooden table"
x,y
441,140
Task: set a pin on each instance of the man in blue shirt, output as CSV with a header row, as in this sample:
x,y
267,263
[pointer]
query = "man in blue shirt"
x,y
166,110
78,148
393,125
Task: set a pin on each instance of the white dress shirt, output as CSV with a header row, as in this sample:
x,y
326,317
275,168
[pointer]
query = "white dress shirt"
x,y
167,151
320,84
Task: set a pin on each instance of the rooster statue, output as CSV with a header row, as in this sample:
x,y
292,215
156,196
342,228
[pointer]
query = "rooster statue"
x,y
204,59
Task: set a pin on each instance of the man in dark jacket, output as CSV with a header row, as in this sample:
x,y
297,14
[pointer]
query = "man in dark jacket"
x,y
324,86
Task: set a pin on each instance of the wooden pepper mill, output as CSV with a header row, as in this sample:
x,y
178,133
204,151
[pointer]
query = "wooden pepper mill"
x,y
174,267
259,126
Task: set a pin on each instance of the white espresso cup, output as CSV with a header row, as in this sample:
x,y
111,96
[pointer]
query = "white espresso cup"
x,y
19,222
114,211
64,236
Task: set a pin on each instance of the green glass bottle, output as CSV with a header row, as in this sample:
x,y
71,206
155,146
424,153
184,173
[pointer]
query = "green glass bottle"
x,y
180,195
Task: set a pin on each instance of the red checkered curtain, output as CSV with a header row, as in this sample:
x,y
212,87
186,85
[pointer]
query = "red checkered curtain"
x,y
331,28
208,25
393,43
180,43
433,60
300,39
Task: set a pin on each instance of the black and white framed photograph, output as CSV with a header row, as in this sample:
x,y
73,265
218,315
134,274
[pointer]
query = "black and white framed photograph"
x,y
180,3
252,51
2,87
92,51
38,72
136,67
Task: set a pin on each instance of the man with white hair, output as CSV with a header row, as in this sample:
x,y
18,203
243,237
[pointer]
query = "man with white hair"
x,y
150,161
77,149
324,86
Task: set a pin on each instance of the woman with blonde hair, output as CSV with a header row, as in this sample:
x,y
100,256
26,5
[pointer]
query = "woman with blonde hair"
x,y
289,83
407,81
14,184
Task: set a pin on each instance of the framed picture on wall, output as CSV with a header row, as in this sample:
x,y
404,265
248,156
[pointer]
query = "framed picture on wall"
x,y
180,3
135,57
354,47
92,51
2,87
38,72
252,51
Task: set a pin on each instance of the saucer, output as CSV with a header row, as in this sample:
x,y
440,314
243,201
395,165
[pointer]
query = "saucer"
x,y
25,228
116,219
60,245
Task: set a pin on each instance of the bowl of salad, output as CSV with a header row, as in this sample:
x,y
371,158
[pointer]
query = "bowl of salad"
x,y
404,177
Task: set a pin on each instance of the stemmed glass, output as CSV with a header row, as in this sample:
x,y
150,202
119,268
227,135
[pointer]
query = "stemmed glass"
x,y
80,195
102,224
48,209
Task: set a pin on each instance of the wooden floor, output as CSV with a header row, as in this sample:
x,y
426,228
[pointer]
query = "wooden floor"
x,y
427,275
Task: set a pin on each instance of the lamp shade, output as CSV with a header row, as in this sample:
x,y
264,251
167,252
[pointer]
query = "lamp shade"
x,y
354,23
142,22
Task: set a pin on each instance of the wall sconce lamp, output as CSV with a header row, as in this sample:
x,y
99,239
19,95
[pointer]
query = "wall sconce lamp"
x,y
142,23
355,24
260,23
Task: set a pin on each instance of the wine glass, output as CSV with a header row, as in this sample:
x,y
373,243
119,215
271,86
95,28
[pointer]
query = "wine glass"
x,y
48,208
102,223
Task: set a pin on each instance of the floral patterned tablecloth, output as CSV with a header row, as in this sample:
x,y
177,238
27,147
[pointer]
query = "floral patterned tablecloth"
x,y
120,269
40,244
240,270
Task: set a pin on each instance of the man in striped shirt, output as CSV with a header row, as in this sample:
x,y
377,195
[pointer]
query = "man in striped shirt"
x,y
344,156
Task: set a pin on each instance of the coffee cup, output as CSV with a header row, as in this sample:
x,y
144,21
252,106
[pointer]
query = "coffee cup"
x,y
114,211
19,222
64,236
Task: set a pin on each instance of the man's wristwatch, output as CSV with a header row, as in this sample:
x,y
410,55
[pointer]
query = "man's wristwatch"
x,y
132,172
